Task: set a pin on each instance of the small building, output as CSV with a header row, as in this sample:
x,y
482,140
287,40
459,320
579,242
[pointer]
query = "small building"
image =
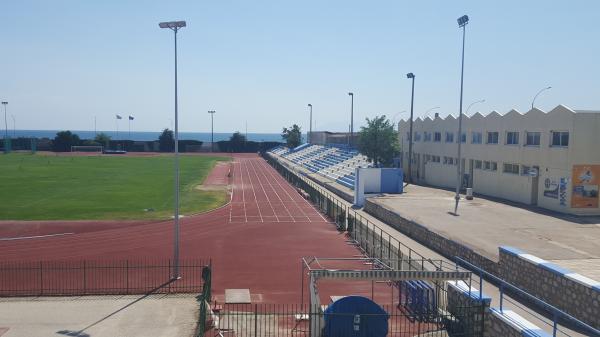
x,y
332,138
549,159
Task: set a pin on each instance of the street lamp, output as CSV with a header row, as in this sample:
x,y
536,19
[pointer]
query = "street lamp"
x,y
310,127
396,115
410,141
462,23
212,141
5,121
426,114
175,26
350,139
536,95
470,105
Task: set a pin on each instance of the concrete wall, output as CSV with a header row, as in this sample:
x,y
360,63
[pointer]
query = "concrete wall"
x,y
554,162
575,294
432,240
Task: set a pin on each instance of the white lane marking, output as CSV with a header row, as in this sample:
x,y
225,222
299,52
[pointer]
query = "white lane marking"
x,y
34,237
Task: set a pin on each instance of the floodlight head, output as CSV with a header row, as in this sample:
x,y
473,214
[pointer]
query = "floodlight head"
x,y
463,20
172,24
211,111
351,94
310,105
548,88
410,75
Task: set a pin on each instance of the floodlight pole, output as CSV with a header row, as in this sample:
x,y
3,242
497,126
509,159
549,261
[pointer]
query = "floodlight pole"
x,y
410,140
351,138
310,127
462,22
5,122
536,95
212,141
175,26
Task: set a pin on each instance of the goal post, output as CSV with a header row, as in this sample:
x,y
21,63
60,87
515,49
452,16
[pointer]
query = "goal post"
x,y
87,148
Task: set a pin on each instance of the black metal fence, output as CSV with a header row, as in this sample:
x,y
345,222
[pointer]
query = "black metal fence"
x,y
67,278
371,239
271,320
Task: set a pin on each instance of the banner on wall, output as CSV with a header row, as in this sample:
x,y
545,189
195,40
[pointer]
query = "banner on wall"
x,y
585,180
562,192
551,188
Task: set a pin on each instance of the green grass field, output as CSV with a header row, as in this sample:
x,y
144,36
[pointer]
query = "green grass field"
x,y
50,187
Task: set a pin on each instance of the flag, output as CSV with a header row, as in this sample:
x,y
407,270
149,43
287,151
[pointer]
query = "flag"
x,y
119,117
130,118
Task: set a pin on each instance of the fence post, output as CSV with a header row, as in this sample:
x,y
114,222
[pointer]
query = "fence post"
x,y
84,278
127,277
255,320
41,280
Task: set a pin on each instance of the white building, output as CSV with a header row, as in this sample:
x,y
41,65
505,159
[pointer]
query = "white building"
x,y
547,159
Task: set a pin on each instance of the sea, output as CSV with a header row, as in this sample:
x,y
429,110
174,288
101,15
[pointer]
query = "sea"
x,y
145,135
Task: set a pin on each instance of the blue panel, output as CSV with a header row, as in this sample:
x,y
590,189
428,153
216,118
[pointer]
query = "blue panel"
x,y
511,250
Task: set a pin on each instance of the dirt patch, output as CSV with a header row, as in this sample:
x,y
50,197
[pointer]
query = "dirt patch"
x,y
219,178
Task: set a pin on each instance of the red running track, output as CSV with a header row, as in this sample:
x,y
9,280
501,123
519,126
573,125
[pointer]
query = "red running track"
x,y
256,242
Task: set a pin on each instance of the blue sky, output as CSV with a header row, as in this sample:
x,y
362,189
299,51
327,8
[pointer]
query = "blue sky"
x,y
64,62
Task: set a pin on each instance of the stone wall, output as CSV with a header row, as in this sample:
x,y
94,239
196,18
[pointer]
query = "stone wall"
x,y
504,324
468,307
429,239
575,294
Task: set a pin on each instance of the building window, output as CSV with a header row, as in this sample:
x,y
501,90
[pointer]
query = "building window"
x,y
478,164
449,160
435,159
426,136
476,137
408,136
486,165
494,166
492,138
417,137
525,170
449,137
437,137
463,137
533,139
511,168
560,138
512,138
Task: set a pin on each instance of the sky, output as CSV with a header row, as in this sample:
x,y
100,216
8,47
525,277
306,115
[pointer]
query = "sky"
x,y
64,63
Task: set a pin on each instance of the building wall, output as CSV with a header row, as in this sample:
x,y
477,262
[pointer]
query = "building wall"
x,y
551,189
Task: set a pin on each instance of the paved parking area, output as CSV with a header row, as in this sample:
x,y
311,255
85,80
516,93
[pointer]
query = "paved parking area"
x,y
99,316
484,224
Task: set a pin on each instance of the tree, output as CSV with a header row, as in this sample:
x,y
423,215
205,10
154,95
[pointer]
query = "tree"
x,y
292,136
64,140
237,142
166,142
378,141
102,138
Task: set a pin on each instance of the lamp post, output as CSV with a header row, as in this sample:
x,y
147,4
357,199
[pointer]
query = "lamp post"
x,y
396,115
351,139
310,126
212,140
410,133
5,121
470,105
536,95
462,23
175,26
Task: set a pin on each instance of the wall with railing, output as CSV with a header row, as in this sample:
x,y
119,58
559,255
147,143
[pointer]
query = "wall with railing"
x,y
572,292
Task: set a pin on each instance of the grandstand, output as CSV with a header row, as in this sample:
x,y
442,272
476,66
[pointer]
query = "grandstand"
x,y
334,162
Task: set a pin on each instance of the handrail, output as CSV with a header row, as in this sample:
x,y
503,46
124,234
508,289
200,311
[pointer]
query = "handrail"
x,y
556,312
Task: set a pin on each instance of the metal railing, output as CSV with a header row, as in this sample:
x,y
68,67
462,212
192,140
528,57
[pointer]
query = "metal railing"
x,y
372,240
69,278
274,320
558,316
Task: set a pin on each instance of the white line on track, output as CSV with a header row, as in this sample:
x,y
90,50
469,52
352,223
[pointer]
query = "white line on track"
x,y
34,237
